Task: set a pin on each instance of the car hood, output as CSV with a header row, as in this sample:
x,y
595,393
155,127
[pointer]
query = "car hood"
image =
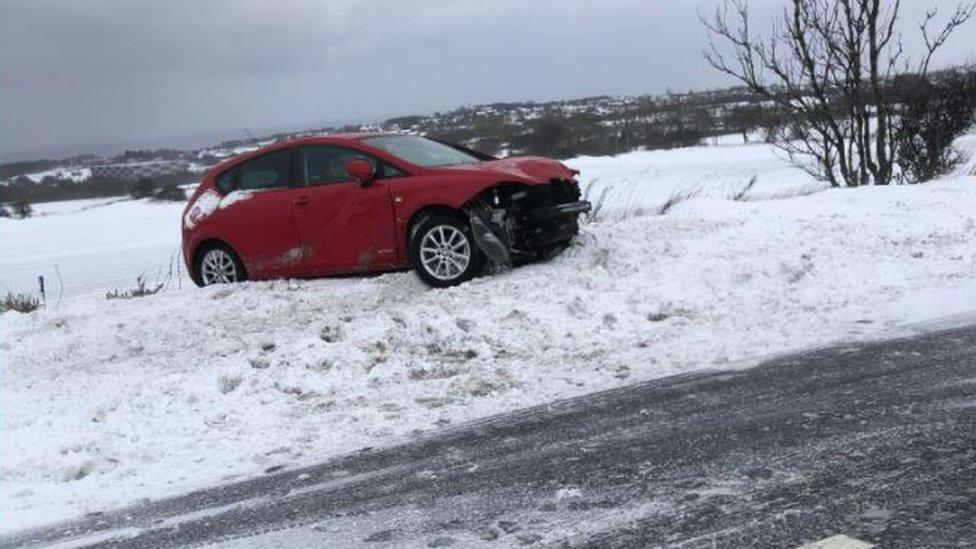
x,y
531,170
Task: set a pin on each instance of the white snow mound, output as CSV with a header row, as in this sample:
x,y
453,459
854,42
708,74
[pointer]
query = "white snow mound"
x,y
105,402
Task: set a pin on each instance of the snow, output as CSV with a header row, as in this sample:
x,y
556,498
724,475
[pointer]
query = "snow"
x,y
639,182
105,402
209,202
966,145
96,245
234,197
74,174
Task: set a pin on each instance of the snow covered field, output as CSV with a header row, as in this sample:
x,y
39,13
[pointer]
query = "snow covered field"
x,y
106,402
97,246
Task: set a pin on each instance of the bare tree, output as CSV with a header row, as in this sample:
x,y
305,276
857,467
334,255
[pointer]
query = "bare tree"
x,y
827,65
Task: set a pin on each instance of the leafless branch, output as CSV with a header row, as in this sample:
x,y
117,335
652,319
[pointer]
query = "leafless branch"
x,y
827,65
935,41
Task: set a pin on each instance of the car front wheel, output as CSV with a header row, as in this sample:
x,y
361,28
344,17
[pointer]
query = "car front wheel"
x,y
443,252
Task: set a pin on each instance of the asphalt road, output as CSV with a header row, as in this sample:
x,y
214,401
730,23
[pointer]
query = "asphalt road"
x,y
873,441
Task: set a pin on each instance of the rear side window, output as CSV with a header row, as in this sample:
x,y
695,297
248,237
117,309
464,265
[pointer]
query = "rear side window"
x,y
226,181
270,171
324,164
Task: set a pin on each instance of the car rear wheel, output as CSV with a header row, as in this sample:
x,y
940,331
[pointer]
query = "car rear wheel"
x,y
443,252
218,264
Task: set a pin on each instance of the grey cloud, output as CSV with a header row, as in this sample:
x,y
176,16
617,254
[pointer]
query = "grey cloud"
x,y
100,75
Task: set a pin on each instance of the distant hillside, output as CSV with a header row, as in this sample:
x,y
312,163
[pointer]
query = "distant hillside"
x,y
604,125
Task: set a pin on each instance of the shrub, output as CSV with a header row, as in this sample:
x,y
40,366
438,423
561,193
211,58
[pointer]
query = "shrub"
x,y
172,193
597,203
144,188
22,209
677,197
22,303
140,290
550,136
934,114
740,194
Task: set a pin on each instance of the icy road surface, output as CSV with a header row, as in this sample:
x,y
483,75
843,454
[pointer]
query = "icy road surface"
x,y
105,403
875,442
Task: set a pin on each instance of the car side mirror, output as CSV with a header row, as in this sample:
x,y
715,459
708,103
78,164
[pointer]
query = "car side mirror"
x,y
360,170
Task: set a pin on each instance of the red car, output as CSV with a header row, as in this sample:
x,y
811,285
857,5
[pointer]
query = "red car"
x,y
375,202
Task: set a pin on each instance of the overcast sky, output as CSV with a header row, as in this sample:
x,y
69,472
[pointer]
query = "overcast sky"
x,y
99,76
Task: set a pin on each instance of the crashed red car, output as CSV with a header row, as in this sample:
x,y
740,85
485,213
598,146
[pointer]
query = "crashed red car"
x,y
372,202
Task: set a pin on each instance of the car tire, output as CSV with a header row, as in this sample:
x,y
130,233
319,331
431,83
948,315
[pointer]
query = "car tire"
x,y
443,251
217,263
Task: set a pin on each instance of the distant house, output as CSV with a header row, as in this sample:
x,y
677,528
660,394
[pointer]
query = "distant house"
x,y
137,170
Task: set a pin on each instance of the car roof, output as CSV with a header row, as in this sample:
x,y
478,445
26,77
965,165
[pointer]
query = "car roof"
x,y
323,139
359,135
326,138
345,136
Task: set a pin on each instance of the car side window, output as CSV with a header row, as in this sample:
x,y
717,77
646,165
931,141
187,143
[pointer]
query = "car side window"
x,y
226,181
389,170
270,171
321,165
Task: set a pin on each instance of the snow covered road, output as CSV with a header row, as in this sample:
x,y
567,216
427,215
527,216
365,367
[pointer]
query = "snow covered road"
x,y
108,402
870,441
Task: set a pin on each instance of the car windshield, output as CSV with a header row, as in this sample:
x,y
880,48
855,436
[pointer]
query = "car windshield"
x,y
421,151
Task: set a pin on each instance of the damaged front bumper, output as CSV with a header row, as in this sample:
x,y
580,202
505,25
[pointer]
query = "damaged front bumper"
x,y
524,223
571,208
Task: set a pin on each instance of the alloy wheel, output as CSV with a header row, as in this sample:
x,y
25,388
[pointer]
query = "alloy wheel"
x,y
445,252
218,267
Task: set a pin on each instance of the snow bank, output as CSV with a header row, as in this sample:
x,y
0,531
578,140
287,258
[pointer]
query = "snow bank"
x,y
639,182
106,402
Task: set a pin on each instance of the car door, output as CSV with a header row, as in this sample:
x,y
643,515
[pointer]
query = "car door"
x,y
257,215
345,226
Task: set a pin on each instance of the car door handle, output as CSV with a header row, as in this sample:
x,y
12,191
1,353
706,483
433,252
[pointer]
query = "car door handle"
x,y
300,201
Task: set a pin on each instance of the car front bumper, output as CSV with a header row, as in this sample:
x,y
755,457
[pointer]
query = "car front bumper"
x,y
543,227
522,223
